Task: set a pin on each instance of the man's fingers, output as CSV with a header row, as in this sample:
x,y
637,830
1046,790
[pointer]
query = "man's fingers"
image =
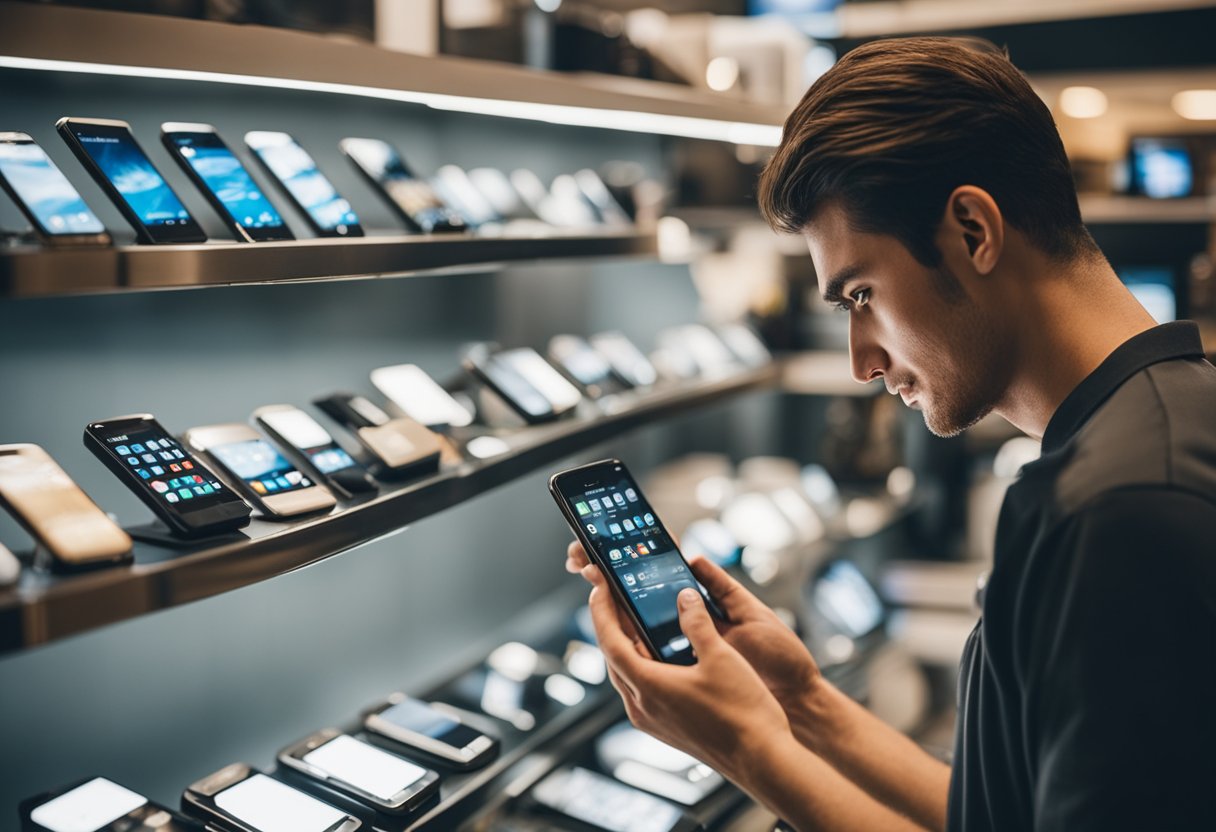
x,y
730,595
576,557
617,646
696,622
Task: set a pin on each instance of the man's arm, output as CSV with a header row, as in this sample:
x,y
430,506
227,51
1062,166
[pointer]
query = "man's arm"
x,y
720,711
1119,666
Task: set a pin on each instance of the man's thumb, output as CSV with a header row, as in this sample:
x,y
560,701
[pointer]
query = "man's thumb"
x,y
695,621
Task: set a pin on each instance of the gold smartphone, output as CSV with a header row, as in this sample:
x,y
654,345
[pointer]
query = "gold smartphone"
x,y
53,509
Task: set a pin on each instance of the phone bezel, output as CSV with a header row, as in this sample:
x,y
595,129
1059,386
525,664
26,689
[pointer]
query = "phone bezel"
x,y
249,235
102,238
353,230
589,475
471,755
199,798
175,520
313,498
401,803
186,233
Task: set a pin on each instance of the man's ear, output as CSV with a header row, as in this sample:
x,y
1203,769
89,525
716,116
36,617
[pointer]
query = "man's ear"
x,y
972,228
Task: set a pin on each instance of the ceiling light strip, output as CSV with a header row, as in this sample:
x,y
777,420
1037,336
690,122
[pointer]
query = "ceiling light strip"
x,y
633,121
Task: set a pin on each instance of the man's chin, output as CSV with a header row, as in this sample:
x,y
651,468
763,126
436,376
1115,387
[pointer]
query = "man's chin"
x,y
948,425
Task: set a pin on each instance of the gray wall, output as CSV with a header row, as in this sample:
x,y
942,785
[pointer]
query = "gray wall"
x,y
158,701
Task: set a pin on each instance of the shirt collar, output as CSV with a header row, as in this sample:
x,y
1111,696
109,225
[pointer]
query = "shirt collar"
x,y
1161,343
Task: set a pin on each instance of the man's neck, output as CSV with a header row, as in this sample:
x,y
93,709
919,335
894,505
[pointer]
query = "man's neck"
x,y
1073,318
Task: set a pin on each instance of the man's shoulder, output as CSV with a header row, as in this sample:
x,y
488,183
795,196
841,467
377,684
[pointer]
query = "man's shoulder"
x,y
1157,431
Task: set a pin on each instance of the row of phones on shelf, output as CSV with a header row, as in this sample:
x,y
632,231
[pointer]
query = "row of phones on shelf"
x,y
453,200
285,463
391,774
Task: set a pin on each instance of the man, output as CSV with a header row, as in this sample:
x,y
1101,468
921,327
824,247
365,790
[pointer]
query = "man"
x,y
937,203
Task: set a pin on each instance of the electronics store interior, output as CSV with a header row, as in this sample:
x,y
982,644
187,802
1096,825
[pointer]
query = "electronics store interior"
x,y
302,306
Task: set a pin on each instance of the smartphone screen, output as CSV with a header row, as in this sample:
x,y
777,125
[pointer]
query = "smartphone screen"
x,y
421,718
145,194
626,359
415,198
513,386
41,187
419,396
640,555
261,466
62,516
88,807
604,803
230,184
299,175
302,431
582,362
365,767
270,806
162,466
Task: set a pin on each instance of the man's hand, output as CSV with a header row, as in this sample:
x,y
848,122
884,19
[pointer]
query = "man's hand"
x,y
769,646
718,710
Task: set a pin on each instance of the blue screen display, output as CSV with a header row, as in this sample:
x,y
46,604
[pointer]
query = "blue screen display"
x,y
292,166
1153,286
258,463
44,189
1161,169
135,177
227,178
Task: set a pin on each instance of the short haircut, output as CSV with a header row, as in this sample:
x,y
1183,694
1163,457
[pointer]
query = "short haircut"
x,y
896,125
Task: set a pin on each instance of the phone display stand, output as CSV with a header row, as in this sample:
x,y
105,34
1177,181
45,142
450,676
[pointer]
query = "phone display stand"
x,y
159,534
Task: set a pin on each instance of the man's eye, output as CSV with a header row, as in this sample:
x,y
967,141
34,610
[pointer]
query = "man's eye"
x,y
861,297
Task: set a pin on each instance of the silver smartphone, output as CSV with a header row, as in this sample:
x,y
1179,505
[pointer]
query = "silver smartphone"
x,y
255,468
431,729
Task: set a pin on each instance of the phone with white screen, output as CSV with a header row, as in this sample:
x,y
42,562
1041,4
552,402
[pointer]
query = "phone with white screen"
x,y
242,798
224,181
52,508
607,804
364,772
256,469
420,397
326,210
314,448
46,197
435,731
99,805
525,381
618,528
109,152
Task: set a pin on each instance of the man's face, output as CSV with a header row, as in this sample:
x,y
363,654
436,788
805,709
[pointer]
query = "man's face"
x,y
931,337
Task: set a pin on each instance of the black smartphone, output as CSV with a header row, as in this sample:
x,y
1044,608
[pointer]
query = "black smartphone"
x,y
186,495
224,181
49,201
628,362
626,540
295,171
313,446
414,200
99,805
109,152
366,773
524,380
241,798
584,366
431,729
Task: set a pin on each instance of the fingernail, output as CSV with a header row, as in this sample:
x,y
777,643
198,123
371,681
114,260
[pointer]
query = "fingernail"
x,y
688,597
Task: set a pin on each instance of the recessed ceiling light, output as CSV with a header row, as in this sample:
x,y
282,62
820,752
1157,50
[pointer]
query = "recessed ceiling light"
x,y
1196,105
1082,102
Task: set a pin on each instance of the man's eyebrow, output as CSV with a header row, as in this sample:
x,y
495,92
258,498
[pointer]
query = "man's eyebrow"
x,y
835,288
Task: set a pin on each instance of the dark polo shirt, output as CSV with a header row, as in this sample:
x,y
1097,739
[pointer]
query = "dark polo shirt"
x,y
1087,692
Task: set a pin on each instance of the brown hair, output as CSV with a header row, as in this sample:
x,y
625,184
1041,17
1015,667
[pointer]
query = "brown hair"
x,y
896,125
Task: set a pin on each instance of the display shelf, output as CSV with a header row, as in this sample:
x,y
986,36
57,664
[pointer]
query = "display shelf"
x,y
1100,208
37,36
39,272
44,607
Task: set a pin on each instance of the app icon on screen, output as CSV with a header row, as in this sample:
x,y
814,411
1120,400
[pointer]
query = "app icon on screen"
x,y
143,474
642,550
591,528
122,450
649,519
629,579
171,497
187,465
620,501
631,495
132,460
615,554
156,469
614,528
137,449
628,525
595,505
582,509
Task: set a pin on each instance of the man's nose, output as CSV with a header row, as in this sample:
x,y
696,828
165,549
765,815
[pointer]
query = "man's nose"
x,y
868,360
